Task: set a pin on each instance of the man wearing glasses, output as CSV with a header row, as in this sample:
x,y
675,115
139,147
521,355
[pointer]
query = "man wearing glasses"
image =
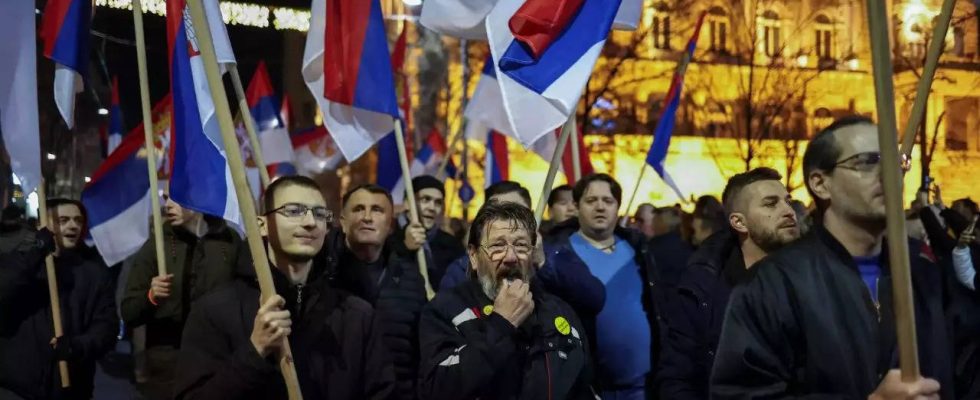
x,y
500,335
817,319
232,341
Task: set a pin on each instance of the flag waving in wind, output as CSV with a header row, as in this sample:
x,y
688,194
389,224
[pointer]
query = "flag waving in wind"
x,y
200,179
348,70
265,109
114,132
541,88
18,93
665,125
497,167
65,29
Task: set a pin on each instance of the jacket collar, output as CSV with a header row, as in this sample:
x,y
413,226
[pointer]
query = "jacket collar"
x,y
834,246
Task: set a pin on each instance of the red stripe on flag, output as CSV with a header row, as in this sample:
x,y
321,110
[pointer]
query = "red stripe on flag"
x,y
436,142
51,21
260,85
115,91
585,161
346,27
500,155
539,22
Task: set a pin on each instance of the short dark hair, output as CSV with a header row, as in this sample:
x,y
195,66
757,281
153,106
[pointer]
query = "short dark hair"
x,y
495,211
582,185
968,203
53,203
653,209
823,151
740,181
553,197
370,188
268,197
708,208
504,187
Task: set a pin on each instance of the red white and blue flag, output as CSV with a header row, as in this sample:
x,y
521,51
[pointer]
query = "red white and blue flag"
x,y
114,131
65,30
466,19
544,52
497,167
657,154
266,110
425,162
315,152
200,179
18,92
347,68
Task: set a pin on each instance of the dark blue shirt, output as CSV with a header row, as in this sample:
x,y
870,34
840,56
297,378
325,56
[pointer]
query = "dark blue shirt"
x,y
870,269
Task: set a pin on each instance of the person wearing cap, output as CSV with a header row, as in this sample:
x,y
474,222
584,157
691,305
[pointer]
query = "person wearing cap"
x,y
441,248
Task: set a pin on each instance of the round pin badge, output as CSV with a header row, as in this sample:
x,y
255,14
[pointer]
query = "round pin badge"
x,y
488,309
562,325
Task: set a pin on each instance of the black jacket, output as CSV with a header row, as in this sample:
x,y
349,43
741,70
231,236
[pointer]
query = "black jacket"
x,y
28,365
471,352
806,325
671,253
397,295
696,314
335,342
443,250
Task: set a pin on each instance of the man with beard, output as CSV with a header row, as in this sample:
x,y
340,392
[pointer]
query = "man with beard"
x,y
762,220
29,350
441,248
232,341
201,253
817,318
500,335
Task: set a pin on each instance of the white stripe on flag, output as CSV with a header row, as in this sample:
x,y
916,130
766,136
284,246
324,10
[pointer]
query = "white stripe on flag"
x,y
67,83
18,92
123,234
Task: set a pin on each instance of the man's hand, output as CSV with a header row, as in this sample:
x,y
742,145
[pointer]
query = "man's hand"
x,y
514,302
892,388
160,287
965,239
61,346
271,326
414,236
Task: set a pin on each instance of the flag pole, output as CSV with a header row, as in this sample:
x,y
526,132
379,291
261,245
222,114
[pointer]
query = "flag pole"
x,y
253,137
413,212
636,188
891,176
576,162
928,73
42,210
255,244
464,62
148,142
566,131
441,173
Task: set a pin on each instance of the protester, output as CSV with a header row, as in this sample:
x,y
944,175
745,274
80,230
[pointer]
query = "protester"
x,y
708,218
441,248
500,335
667,219
29,348
200,253
627,332
365,264
561,207
761,220
233,341
670,251
817,319
643,220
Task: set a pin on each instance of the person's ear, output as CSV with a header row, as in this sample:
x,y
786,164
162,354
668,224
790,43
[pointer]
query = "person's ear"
x,y
738,222
472,252
820,184
263,226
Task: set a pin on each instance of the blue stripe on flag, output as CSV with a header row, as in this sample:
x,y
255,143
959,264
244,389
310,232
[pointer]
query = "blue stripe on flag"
x,y
266,113
488,68
388,169
71,46
375,83
661,136
116,191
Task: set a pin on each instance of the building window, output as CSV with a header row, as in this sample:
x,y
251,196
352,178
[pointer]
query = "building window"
x,y
824,40
771,34
718,29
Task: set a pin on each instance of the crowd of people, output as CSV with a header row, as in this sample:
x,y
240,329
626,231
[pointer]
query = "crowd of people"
x,y
750,296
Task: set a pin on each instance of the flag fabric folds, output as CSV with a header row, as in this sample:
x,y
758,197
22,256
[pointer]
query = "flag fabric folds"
x,y
200,178
266,110
347,68
665,125
545,147
540,92
487,105
65,30
315,152
426,162
465,18
114,132
19,128
497,165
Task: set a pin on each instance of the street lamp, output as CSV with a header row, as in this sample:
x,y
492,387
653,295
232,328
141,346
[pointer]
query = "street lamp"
x,y
103,111
51,156
88,179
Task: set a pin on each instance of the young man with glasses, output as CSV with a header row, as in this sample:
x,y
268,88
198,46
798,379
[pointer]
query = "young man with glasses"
x,y
500,335
817,318
232,340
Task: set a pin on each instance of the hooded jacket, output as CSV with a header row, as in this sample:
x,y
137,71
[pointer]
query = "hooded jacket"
x,y
335,342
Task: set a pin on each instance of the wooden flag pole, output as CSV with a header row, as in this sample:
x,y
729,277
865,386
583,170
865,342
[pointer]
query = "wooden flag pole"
x,y
413,212
42,210
576,162
636,188
450,149
255,245
253,136
148,142
566,131
928,73
891,177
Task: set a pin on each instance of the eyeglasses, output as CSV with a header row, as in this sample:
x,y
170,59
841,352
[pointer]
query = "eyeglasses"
x,y
863,162
297,211
498,252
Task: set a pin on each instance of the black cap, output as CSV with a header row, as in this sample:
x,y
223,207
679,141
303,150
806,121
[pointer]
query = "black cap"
x,y
427,182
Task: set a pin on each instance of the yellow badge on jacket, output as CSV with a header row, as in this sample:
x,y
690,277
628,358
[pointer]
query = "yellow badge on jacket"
x,y
562,325
488,309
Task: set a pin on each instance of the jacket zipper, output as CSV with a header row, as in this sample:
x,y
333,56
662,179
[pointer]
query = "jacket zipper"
x,y
875,301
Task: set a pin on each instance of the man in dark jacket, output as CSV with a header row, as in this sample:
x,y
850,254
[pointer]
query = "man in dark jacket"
x,y
817,318
441,248
232,343
365,265
499,336
29,350
761,220
626,335
200,252
561,208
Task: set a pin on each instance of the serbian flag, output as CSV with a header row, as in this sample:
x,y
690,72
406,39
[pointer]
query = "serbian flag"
x,y
114,132
118,201
465,18
665,125
541,73
65,29
265,109
348,70
497,166
200,178
425,162
545,147
18,93
487,104
315,151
